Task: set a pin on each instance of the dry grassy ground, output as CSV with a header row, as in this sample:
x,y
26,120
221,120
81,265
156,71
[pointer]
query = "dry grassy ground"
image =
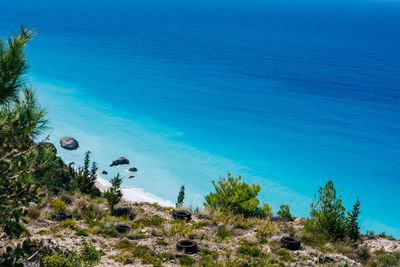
x,y
223,240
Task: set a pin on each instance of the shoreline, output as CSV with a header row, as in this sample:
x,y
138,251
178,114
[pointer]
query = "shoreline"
x,y
134,194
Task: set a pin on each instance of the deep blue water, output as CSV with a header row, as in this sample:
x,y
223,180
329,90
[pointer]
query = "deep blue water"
x,y
287,93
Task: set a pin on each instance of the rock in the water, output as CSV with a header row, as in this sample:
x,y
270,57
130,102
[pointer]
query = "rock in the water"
x,y
69,143
133,169
131,177
47,145
120,161
104,172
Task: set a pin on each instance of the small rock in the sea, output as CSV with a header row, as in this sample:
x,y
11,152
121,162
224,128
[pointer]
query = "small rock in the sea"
x,y
104,172
120,161
69,143
133,169
131,177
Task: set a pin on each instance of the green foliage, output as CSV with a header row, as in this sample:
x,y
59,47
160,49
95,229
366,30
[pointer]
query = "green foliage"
x,y
383,258
85,179
284,212
155,221
124,244
114,194
222,232
81,232
162,242
90,254
58,205
68,224
181,197
327,215
232,195
13,65
21,119
186,260
285,255
248,250
352,228
71,259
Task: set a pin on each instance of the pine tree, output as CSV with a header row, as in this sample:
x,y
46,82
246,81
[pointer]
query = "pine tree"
x,y
114,194
327,215
353,230
85,178
181,197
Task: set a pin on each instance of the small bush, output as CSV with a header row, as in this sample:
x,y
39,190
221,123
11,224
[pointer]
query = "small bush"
x,y
34,212
186,260
58,205
284,212
90,254
123,244
81,232
71,259
223,232
232,195
125,257
285,255
246,249
114,193
162,242
181,197
68,224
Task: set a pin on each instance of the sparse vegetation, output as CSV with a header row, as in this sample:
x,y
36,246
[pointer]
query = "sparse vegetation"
x,y
284,212
114,193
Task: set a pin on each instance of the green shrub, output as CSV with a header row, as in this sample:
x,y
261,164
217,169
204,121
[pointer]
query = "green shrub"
x,y
68,224
186,260
155,221
81,232
222,232
232,195
284,212
58,205
89,254
71,259
162,242
327,215
247,249
124,244
285,255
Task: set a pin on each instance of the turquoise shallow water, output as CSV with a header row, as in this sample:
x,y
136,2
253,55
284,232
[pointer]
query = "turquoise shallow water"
x,y
287,94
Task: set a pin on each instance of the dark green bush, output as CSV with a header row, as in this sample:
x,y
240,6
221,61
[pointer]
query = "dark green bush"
x,y
114,193
232,195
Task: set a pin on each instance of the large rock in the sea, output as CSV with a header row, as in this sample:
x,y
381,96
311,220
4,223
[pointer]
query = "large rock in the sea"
x,y
133,169
120,161
104,172
69,143
47,145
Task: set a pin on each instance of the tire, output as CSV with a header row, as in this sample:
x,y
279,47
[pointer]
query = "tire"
x,y
187,246
122,228
182,214
61,216
290,243
325,259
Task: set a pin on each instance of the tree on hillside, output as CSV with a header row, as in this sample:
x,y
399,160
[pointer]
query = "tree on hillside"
x,y
327,215
181,197
114,193
21,120
86,178
352,228
232,195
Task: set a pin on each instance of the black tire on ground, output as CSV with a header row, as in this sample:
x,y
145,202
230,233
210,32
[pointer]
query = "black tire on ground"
x,y
325,259
181,214
122,228
290,243
61,216
187,246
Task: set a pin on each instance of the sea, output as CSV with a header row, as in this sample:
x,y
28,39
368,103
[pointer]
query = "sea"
x,y
288,94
